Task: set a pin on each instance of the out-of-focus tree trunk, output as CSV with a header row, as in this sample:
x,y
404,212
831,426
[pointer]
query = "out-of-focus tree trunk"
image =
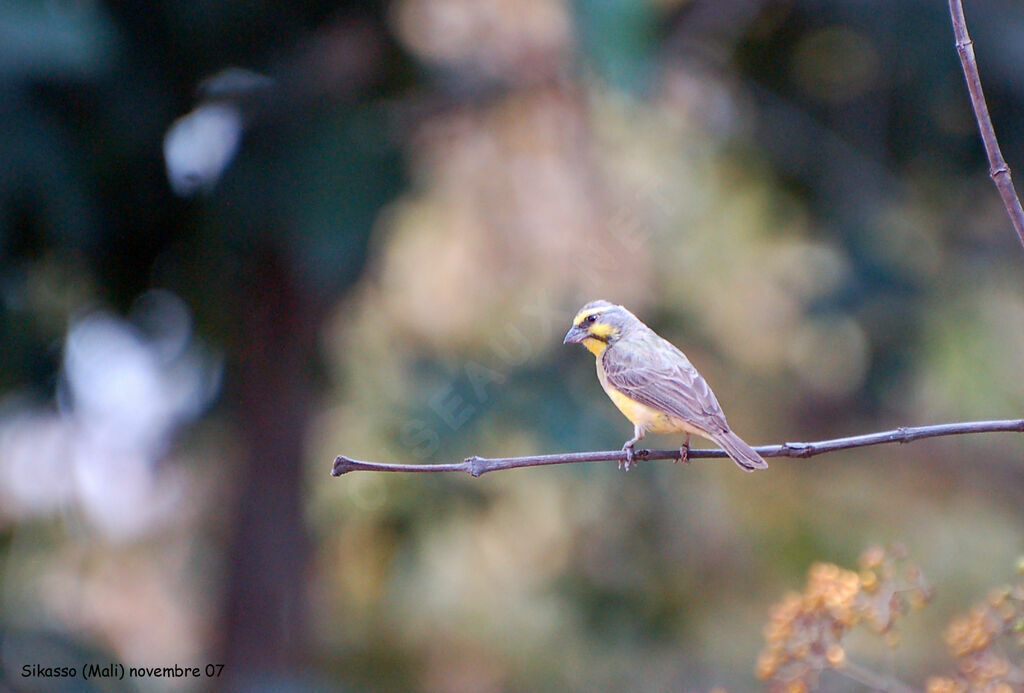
x,y
264,628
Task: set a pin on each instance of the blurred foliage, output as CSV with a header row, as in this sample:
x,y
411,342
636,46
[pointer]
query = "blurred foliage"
x,y
807,632
792,191
982,642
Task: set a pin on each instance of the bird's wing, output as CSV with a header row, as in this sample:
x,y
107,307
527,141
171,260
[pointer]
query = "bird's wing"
x,y
655,373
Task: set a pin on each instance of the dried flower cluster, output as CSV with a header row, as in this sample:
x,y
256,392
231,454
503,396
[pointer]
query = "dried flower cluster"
x,y
805,631
980,641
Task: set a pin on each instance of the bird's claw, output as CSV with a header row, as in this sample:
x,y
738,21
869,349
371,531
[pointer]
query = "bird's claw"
x,y
684,453
684,450
630,457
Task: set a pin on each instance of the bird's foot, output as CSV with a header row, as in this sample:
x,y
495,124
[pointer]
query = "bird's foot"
x,y
684,450
684,453
630,457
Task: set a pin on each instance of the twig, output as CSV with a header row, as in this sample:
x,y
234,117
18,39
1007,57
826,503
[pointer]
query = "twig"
x,y
997,168
873,680
481,465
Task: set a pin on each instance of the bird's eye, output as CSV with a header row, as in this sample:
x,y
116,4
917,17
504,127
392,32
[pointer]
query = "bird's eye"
x,y
589,320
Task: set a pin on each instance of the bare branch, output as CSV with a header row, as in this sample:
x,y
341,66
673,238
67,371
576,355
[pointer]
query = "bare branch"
x,y
873,680
481,465
998,170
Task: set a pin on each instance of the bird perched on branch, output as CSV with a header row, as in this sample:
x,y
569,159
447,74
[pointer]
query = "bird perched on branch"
x,y
653,383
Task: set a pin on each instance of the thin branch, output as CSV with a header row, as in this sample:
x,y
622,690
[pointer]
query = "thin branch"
x,y
998,170
481,465
873,680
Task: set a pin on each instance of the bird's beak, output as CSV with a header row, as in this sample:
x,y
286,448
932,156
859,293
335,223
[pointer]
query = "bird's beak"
x,y
575,335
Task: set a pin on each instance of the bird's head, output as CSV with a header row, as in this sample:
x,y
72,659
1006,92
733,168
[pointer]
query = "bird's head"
x,y
599,324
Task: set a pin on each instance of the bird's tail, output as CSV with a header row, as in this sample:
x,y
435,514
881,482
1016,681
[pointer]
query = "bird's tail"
x,y
741,453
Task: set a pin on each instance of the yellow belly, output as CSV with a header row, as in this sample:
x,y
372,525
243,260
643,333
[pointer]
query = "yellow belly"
x,y
648,418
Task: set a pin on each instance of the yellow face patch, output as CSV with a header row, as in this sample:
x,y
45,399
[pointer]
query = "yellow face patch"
x,y
600,333
603,330
600,330
595,346
597,332
584,314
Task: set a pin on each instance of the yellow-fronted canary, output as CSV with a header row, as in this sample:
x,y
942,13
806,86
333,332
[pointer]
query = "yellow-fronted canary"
x,y
653,383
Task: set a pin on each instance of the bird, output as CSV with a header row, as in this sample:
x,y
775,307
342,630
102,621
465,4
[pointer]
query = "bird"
x,y
653,383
